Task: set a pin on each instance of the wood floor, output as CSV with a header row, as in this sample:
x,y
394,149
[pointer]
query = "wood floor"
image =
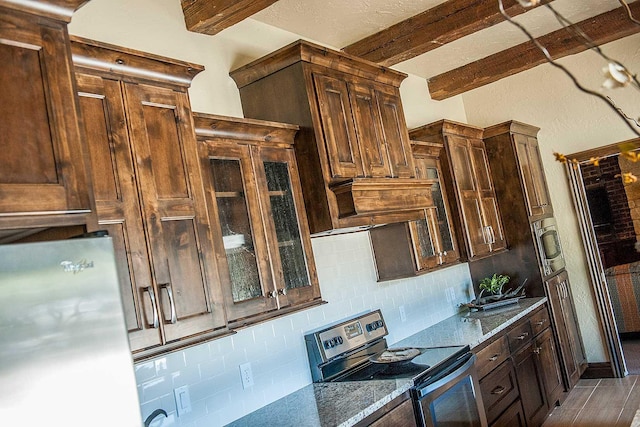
x,y
599,402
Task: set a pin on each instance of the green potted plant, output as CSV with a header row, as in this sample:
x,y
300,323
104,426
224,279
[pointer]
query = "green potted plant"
x,y
493,287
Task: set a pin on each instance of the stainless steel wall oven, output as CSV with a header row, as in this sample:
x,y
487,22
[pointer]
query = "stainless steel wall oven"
x,y
443,380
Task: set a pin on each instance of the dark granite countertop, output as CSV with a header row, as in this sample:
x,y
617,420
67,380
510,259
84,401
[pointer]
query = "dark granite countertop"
x,y
344,404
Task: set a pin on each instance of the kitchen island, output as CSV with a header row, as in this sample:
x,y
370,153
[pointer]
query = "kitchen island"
x,y
346,403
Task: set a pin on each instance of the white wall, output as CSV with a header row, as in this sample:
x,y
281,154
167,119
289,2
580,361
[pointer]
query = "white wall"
x,y
570,122
345,263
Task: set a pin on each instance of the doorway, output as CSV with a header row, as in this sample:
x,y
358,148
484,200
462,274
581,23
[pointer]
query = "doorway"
x,y
606,210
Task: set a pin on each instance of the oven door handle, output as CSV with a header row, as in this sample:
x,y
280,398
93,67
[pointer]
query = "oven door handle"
x,y
465,363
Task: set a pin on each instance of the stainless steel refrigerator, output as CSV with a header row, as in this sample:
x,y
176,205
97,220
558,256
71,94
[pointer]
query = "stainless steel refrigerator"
x,y
64,352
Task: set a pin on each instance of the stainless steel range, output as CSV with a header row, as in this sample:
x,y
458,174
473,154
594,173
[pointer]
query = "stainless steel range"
x,y
445,387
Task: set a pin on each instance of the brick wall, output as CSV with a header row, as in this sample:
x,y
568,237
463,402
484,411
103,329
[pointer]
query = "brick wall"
x,y
604,176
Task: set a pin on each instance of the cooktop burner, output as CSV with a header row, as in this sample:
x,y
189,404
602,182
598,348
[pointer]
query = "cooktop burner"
x,y
429,360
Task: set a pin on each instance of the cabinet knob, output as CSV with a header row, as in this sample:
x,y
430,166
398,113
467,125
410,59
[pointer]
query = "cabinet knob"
x,y
537,350
272,294
282,291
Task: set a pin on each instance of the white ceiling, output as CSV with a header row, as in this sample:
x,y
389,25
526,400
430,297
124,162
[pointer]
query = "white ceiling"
x,y
339,23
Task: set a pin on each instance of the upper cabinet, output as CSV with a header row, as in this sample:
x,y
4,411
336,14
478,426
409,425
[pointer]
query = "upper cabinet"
x,y
256,208
467,179
149,193
516,143
419,246
353,147
44,166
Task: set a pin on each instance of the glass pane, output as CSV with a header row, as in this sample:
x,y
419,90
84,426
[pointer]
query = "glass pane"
x,y
424,239
236,229
283,212
457,406
441,214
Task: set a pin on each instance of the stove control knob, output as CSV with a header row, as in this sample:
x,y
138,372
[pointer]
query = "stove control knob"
x,y
379,324
339,340
327,344
369,327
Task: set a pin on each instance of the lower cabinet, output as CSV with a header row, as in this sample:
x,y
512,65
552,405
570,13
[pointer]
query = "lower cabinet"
x,y
574,361
520,376
398,412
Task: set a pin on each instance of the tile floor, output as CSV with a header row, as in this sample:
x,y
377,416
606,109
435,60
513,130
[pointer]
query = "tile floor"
x,y
599,402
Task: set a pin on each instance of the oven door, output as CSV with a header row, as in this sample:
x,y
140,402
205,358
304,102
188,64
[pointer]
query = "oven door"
x,y
451,397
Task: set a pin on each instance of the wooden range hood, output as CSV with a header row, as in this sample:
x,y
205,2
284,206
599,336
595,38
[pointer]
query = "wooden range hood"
x,y
353,148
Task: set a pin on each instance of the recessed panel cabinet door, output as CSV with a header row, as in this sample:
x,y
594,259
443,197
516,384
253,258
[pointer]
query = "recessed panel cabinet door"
x,y
42,165
373,148
395,134
491,214
118,210
173,206
340,138
535,184
467,189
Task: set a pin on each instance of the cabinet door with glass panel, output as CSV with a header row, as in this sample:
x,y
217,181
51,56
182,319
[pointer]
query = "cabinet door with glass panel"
x,y
416,247
264,248
434,237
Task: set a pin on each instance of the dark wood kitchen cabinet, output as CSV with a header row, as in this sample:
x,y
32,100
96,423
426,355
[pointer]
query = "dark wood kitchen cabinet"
x,y
353,147
44,179
398,412
572,355
515,145
255,205
520,377
416,247
467,179
149,193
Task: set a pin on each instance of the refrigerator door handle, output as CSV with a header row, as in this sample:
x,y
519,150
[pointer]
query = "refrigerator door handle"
x,y
174,317
152,296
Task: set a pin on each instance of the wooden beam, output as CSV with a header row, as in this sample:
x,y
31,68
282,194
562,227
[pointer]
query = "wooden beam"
x,y
212,16
433,28
603,28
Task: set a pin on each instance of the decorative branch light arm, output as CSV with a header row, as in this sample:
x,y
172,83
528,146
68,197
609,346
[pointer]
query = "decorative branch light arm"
x,y
626,6
550,60
625,77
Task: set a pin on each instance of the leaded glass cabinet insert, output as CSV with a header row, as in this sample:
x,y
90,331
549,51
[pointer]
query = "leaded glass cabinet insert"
x,y
233,213
263,246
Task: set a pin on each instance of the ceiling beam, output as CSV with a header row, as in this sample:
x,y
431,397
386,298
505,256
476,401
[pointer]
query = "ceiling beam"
x,y
212,16
431,29
603,28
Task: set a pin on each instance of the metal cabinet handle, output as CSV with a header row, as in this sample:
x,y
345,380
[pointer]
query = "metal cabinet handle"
x,y
541,322
522,336
537,350
172,305
498,390
484,235
152,296
492,235
494,358
272,294
282,291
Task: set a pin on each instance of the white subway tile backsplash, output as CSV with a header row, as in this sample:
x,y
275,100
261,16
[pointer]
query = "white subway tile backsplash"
x,y
276,349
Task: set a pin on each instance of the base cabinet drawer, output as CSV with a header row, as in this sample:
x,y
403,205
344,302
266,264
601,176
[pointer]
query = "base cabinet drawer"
x,y
512,417
492,356
499,390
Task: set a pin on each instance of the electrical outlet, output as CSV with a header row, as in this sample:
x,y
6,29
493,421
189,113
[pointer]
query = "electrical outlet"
x,y
452,293
183,401
246,375
403,314
447,293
